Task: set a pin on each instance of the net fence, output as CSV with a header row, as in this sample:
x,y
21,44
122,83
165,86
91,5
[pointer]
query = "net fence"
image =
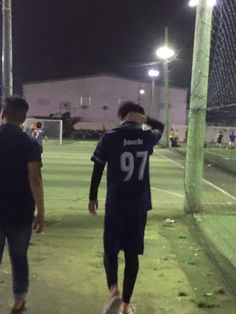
x,y
222,92
217,221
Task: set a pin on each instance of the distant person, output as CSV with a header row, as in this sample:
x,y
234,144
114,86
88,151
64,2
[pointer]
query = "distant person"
x,y
20,190
39,134
173,137
126,149
232,140
219,139
32,128
177,135
176,139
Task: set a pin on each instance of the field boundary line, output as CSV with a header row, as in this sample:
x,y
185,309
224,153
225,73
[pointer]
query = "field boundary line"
x,y
169,192
221,156
204,180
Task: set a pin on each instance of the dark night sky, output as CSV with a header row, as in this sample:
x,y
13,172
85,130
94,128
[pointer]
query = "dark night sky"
x,y
63,38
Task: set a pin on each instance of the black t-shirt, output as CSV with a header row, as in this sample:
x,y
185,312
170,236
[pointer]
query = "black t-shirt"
x,y
17,149
126,149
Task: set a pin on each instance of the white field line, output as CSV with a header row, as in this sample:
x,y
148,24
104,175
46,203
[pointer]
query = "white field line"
x,y
169,192
103,200
67,157
229,158
50,158
216,187
222,156
153,201
181,203
67,153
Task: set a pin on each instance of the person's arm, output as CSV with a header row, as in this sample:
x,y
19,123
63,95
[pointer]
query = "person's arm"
x,y
95,182
155,124
36,186
100,158
156,129
140,119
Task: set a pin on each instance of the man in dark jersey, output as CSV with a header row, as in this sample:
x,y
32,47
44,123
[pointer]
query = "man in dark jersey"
x,y
20,190
126,149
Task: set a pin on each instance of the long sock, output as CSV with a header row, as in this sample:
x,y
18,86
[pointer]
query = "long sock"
x,y
111,268
130,275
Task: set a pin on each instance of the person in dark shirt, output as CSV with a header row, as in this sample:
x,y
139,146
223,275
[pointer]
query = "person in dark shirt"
x,y
219,138
126,150
20,190
232,138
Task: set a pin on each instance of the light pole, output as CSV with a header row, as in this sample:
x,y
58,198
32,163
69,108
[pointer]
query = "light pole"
x,y
194,3
166,54
153,74
7,80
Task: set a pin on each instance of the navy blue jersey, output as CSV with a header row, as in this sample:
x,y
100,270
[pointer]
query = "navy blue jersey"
x,y
126,150
232,138
17,149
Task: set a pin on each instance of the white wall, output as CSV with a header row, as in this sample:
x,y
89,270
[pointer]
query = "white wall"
x,y
177,108
46,98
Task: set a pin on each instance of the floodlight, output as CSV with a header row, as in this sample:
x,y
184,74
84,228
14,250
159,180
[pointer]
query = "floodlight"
x,y
165,53
212,3
193,3
153,73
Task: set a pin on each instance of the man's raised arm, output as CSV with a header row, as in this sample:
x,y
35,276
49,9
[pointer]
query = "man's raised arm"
x,y
155,124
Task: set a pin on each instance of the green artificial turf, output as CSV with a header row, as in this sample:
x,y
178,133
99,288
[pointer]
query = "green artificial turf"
x,y
67,275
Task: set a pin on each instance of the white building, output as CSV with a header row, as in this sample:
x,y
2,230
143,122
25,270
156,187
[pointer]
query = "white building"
x,y
96,98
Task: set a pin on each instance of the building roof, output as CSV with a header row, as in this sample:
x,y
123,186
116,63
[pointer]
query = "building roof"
x,y
111,75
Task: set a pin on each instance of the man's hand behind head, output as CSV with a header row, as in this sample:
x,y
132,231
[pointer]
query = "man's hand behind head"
x,y
135,117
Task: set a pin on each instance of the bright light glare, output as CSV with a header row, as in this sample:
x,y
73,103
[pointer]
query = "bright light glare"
x,y
194,3
141,91
212,3
165,53
153,73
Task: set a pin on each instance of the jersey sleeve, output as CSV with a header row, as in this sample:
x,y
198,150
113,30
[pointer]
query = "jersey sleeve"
x,y
35,152
156,131
154,136
101,152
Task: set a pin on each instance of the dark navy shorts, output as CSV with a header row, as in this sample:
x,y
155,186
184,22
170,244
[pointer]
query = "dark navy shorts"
x,y
124,231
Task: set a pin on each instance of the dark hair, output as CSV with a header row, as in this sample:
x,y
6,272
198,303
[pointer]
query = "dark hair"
x,y
15,108
127,107
38,125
